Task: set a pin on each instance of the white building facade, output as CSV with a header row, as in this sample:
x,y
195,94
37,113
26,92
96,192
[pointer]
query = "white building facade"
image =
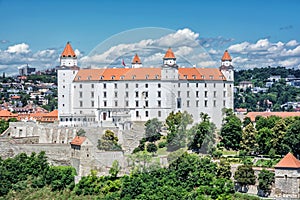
x,y
91,97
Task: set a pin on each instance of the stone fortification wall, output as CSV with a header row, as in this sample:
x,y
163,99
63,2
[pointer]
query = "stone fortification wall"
x,y
287,182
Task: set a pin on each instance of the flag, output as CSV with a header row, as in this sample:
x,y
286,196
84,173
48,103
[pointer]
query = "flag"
x,y
123,63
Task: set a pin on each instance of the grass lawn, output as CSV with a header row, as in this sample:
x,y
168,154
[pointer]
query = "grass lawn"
x,y
229,153
162,151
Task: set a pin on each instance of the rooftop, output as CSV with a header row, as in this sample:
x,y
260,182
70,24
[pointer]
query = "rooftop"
x,y
78,140
68,51
288,161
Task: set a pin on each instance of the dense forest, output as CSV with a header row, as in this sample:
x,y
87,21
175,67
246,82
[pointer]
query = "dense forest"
x,y
275,96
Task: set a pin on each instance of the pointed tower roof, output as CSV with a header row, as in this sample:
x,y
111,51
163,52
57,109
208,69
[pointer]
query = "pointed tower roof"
x,y
288,161
136,60
169,54
68,51
226,56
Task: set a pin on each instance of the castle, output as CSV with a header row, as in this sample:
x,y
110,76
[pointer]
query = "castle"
x,y
93,97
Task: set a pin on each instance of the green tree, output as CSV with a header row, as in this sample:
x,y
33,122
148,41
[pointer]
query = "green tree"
x,y
265,181
247,120
248,142
80,132
291,140
280,130
231,131
177,124
264,139
201,135
244,176
224,169
151,148
109,142
152,130
115,169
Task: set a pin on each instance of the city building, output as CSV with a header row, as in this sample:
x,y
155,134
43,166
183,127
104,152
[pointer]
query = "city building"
x,y
26,70
92,97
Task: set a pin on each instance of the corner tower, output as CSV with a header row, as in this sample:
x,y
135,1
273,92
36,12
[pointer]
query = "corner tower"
x,y
169,58
226,66
68,57
136,62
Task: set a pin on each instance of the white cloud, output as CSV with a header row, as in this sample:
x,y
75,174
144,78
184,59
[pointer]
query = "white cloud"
x,y
239,48
292,43
18,48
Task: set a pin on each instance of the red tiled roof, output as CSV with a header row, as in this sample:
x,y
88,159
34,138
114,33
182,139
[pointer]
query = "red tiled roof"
x,y
54,113
6,113
78,140
226,56
253,115
146,73
136,60
68,51
169,54
15,97
288,161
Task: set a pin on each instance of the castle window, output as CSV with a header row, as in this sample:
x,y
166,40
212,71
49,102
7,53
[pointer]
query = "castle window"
x,y
127,94
215,103
116,86
158,93
80,86
147,76
159,113
78,78
137,113
188,85
116,94
196,85
113,77
80,94
146,114
205,103
205,94
197,103
126,85
136,103
215,93
136,94
205,84
64,86
104,103
159,85
80,103
194,76
214,85
146,103
104,94
188,94
156,76
89,77
178,84
146,85
224,103
187,103
159,103
224,93
104,85
63,105
185,76
92,94
92,86
122,77
178,93
224,85
127,103
133,77
197,93
116,103
202,76
101,77
136,85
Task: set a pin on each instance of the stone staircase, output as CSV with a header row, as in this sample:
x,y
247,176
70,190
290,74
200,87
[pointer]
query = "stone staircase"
x,y
131,138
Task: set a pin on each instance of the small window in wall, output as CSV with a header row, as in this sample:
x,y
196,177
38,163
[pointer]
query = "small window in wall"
x,y
205,103
159,85
116,94
178,102
104,85
224,85
158,93
187,103
178,84
92,86
92,103
80,85
63,105
146,113
116,103
136,103
126,85
215,103
137,94
178,93
104,94
159,113
146,103
188,85
205,94
146,85
197,103
116,85
104,103
224,93
205,85
214,85
80,103
92,94
136,85
215,93
127,103
197,93
188,94
64,86
80,94
224,103
127,94
137,113
159,103
196,85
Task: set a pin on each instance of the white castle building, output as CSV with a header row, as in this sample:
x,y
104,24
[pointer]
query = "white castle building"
x,y
91,97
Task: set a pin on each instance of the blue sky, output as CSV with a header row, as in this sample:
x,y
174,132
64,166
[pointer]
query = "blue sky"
x,y
45,26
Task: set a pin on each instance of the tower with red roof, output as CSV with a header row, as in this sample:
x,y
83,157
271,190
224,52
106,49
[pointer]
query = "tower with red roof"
x,y
287,177
136,62
68,57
